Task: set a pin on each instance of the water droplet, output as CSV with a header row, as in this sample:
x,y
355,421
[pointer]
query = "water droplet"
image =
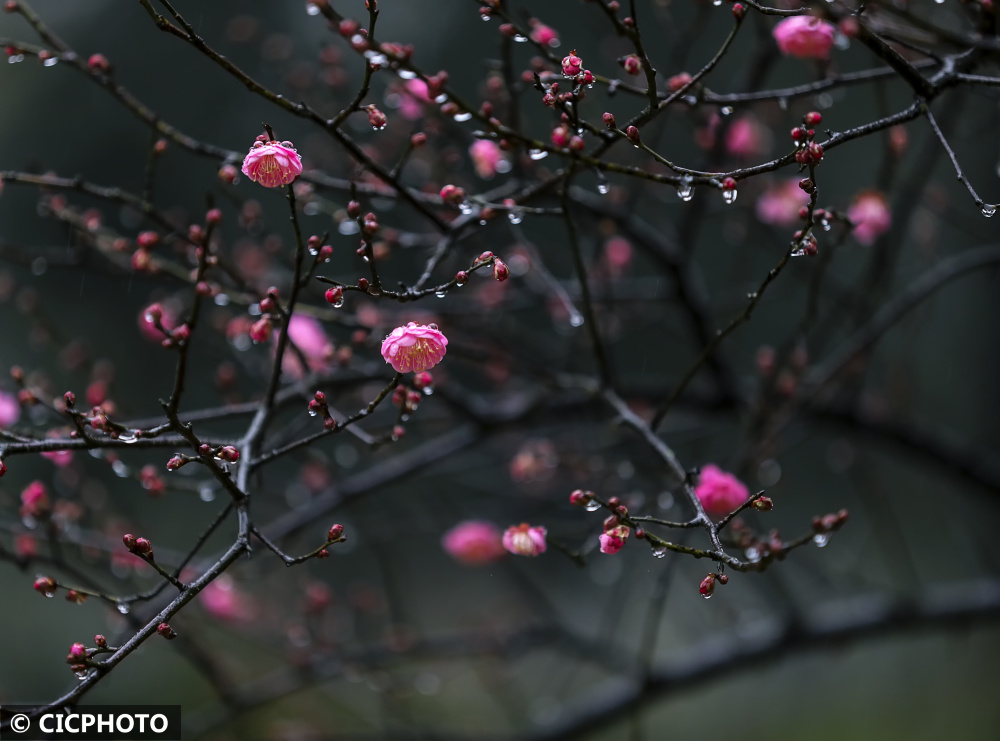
x,y
707,596
440,294
313,251
380,128
221,299
729,196
51,62
29,522
428,390
537,154
592,506
338,304
376,58
441,99
576,320
466,208
989,209
485,17
520,39
312,9
313,413
462,117
406,74
482,222
783,103
15,59
659,552
123,608
726,110
821,539
516,217
206,493
939,2
685,191
80,675
603,188
752,554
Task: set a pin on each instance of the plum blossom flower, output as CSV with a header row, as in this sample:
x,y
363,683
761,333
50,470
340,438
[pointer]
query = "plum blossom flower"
x,y
10,410
525,540
779,205
34,500
225,601
748,137
612,540
272,164
415,347
487,158
870,215
473,542
309,337
805,37
719,492
412,101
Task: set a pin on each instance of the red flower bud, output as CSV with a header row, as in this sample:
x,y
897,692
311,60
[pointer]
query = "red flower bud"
x,y
335,532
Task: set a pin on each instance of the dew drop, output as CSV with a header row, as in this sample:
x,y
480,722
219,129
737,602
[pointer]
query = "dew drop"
x,y
440,294
380,128
123,608
407,74
441,99
221,299
312,9
485,17
537,154
515,217
821,539
15,59
685,191
576,320
729,196
462,117
313,413
482,222
338,304
989,209
752,554
80,675
726,110
520,39
51,62
603,188
659,552
592,506
707,596
428,390
466,208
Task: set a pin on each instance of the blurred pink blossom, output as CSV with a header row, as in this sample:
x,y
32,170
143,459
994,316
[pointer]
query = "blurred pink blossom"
x,y
870,216
486,156
748,137
779,205
224,600
308,335
525,540
412,100
10,409
719,492
473,542
805,37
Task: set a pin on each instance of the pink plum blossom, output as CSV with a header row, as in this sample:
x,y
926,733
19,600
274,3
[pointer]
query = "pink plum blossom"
x,y
10,410
225,601
34,500
870,215
542,34
415,347
473,542
719,492
805,37
612,540
412,100
779,205
272,164
525,540
486,157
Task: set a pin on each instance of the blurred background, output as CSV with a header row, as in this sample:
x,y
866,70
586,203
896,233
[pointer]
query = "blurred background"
x,y
392,637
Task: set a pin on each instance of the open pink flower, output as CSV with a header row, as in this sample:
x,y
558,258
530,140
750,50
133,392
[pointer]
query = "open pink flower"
x,y
779,205
272,164
415,347
473,542
805,37
10,410
411,103
525,540
719,492
870,215
612,540
486,157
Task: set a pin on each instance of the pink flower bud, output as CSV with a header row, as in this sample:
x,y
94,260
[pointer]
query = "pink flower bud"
x,y
763,504
98,63
572,65
812,118
335,532
129,540
334,295
632,64
739,11
143,546
453,195
473,542
805,37
166,631
260,331
609,120
45,585
376,118
633,135
707,586
176,462
100,641
77,654
612,540
148,240
560,136
678,81
500,270
461,277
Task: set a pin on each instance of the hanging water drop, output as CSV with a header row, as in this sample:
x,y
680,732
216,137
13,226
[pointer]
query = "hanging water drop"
x,y
520,39
537,154
989,209
312,9
338,304
576,319
685,191
406,74
603,188
122,608
783,103
428,390
440,294
659,551
15,59
729,196
462,117
821,539
592,505
313,413
515,217
726,110
466,208
314,251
